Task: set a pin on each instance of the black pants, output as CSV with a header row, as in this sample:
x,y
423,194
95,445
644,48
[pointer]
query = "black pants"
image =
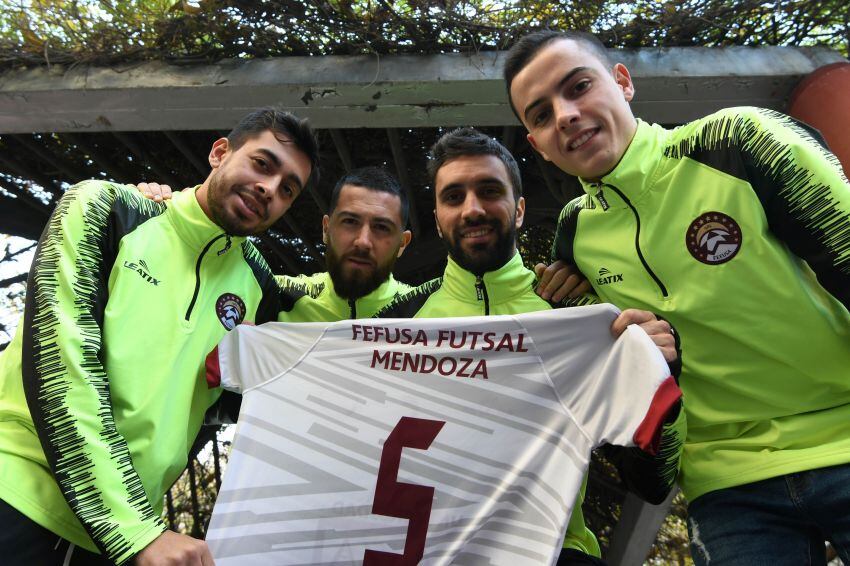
x,y
26,543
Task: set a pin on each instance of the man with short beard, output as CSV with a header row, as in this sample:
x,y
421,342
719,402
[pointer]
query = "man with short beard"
x,y
101,390
364,231
478,209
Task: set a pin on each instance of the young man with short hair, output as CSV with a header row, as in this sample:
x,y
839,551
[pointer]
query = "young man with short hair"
x,y
730,227
479,207
102,391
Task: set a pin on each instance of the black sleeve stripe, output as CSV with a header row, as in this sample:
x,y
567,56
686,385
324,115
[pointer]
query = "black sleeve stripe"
x,y
800,210
408,304
46,376
276,297
565,232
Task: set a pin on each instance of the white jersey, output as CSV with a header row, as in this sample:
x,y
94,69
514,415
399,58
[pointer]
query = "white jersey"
x,y
432,441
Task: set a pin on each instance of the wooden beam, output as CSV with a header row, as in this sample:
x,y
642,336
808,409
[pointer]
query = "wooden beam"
x,y
22,172
342,149
673,85
404,178
161,172
72,174
636,530
118,174
202,167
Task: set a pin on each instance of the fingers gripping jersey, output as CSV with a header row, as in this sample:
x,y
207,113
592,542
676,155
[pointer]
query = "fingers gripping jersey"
x,y
450,441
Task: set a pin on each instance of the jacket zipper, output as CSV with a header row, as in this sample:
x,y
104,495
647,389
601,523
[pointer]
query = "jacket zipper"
x,y
352,304
198,270
481,291
605,206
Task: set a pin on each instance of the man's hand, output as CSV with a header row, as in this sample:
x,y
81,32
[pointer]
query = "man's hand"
x,y
155,191
559,281
659,330
173,549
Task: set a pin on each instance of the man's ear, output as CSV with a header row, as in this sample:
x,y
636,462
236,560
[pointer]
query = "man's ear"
x,y
406,236
437,223
533,143
218,151
520,212
326,221
624,80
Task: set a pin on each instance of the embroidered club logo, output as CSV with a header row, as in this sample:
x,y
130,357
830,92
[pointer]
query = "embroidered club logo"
x,y
713,238
230,310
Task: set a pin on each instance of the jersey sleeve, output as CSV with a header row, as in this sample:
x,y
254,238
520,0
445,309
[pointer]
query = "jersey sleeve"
x,y
249,356
66,385
620,392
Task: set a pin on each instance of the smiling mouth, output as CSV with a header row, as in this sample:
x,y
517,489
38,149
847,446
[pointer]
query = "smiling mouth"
x,y
477,233
582,139
252,205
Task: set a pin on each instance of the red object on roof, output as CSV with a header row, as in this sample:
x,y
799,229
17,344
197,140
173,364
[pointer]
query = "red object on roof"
x,y
822,100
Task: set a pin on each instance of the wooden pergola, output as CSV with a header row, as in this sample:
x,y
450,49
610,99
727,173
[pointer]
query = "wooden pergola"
x,y
155,121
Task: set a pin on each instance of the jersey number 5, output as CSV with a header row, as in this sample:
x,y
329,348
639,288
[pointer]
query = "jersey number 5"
x,y
404,500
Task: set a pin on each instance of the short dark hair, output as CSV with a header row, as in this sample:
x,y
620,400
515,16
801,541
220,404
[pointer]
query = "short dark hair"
x,y
463,142
524,50
279,122
374,179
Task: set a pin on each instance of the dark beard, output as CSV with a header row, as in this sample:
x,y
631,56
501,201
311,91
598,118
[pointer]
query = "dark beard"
x,y
353,288
488,258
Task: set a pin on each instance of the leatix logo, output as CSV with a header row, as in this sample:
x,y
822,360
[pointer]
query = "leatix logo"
x,y
606,277
143,270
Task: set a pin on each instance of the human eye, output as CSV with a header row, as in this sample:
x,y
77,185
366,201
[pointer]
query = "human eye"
x,y
261,163
540,117
581,86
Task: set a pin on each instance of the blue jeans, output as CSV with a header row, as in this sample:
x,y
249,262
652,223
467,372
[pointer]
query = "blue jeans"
x,y
776,522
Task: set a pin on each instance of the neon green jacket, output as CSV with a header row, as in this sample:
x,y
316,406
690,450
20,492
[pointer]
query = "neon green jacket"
x,y
510,290
735,228
102,391
320,303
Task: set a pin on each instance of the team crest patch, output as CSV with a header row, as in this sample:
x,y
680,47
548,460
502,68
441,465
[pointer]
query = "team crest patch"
x,y
230,310
713,238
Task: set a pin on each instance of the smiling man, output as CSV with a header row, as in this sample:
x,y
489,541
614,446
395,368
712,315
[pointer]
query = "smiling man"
x,y
479,207
734,227
94,428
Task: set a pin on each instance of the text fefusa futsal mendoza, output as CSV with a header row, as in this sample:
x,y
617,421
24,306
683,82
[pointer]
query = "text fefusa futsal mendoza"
x,y
445,365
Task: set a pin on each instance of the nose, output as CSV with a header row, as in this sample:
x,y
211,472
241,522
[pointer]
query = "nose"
x,y
264,188
472,207
566,113
363,239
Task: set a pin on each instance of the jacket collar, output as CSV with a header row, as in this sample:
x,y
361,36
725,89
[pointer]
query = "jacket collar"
x,y
194,227
636,171
368,303
503,285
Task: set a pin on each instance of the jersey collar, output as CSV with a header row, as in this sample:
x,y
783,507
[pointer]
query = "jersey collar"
x,y
192,224
503,285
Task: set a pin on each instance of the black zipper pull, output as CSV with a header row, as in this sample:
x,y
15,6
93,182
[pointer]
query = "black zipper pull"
x,y
601,198
352,304
226,247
